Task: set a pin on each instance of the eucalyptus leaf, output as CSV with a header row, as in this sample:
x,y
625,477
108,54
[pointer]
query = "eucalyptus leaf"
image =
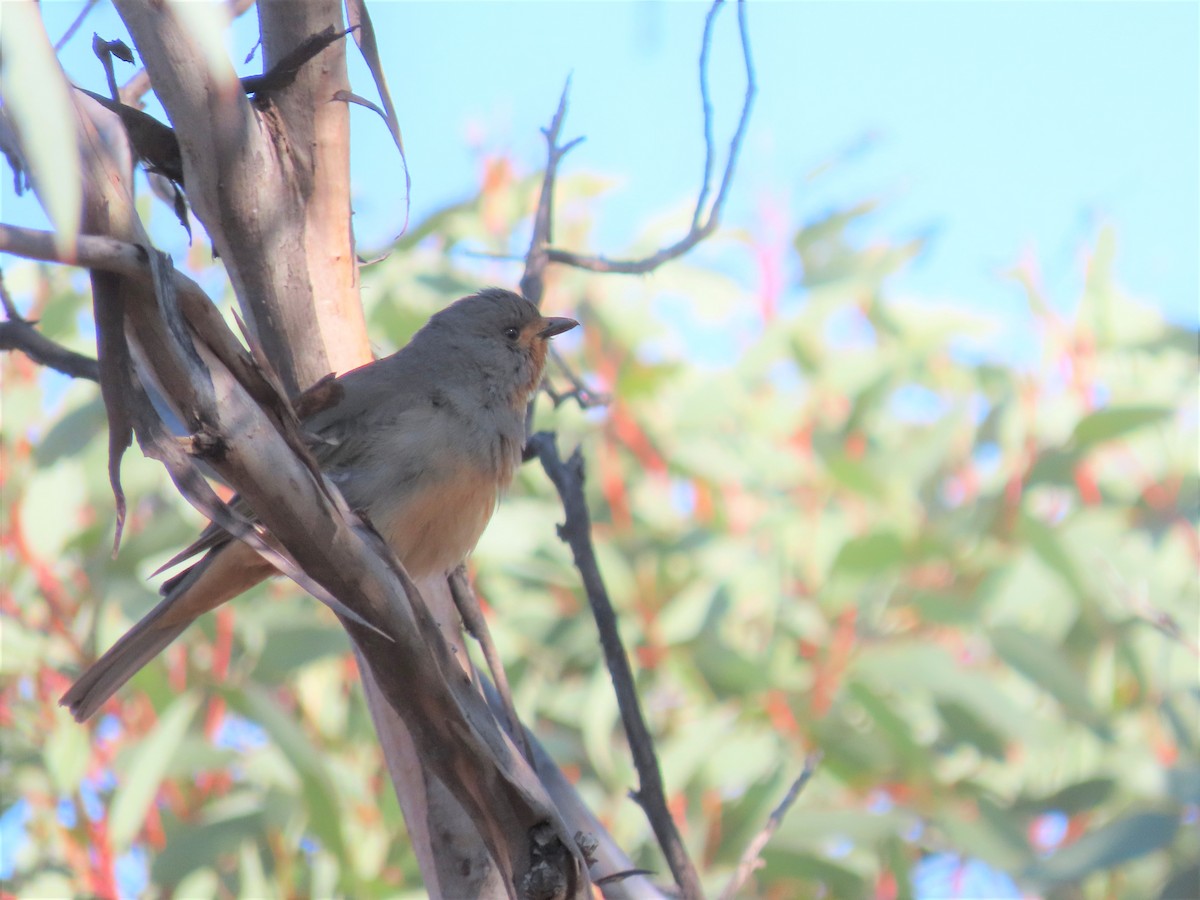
x,y
147,766
1120,841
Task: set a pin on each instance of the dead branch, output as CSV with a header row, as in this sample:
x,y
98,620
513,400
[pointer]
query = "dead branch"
x,y
568,477
476,625
75,25
533,282
703,223
750,858
576,532
610,865
18,333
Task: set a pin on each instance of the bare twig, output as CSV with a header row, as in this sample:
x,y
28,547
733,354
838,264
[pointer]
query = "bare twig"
x,y
580,392
576,532
703,224
568,476
17,333
75,25
750,858
706,104
91,251
1136,599
6,300
533,282
473,620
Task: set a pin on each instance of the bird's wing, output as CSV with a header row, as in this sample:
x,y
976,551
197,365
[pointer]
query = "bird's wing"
x,y
332,430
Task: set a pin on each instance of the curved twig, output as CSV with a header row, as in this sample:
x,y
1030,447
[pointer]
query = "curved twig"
x,y
18,333
699,229
750,858
577,533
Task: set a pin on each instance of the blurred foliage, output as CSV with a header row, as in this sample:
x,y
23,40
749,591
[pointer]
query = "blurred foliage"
x,y
968,577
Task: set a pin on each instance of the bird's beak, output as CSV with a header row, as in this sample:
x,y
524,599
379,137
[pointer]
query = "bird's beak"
x,y
552,325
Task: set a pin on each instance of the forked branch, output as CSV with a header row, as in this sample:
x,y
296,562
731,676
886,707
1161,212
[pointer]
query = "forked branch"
x,y
568,476
577,533
704,220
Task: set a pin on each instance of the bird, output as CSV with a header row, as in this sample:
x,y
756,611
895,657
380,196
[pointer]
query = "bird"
x,y
424,441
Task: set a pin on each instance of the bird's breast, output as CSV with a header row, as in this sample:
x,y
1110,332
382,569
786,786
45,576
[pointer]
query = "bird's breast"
x,y
439,519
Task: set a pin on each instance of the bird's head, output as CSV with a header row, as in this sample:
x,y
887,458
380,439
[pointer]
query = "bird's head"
x,y
496,335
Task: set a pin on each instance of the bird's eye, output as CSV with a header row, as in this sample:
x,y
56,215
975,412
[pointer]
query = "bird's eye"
x,y
512,333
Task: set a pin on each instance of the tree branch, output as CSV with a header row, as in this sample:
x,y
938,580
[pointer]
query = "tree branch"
x,y
750,858
18,333
568,477
269,181
576,532
533,281
476,624
702,225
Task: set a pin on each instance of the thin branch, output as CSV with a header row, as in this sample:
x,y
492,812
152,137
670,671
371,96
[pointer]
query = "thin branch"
x,y
576,532
700,229
75,25
476,624
6,300
17,333
584,395
706,105
568,479
1136,599
106,254
750,858
533,282
91,251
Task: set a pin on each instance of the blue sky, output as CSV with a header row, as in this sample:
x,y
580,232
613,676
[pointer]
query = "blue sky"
x,y
997,128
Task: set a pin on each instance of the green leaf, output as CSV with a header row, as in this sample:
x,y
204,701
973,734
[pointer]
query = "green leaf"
x,y
894,727
855,475
871,554
919,670
147,766
71,433
1109,846
1074,798
812,871
1049,548
193,846
1184,884
310,765
962,725
36,96
1042,663
1114,422
1183,784
1054,465
987,832
288,648
68,750
729,673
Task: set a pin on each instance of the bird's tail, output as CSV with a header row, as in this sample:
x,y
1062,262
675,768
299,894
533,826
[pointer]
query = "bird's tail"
x,y
122,661
221,575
